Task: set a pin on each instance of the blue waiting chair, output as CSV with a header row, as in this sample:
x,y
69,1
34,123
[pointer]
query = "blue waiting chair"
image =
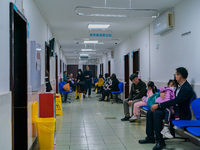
x,y
146,108
194,130
62,92
120,85
190,123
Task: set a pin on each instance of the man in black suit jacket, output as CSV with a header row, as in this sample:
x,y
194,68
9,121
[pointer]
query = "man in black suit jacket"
x,y
183,95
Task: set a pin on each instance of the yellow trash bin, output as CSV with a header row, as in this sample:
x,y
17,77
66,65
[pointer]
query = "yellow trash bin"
x,y
45,133
34,118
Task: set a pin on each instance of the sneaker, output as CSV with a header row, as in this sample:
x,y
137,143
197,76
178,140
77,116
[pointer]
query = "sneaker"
x,y
89,96
83,96
166,133
125,119
133,118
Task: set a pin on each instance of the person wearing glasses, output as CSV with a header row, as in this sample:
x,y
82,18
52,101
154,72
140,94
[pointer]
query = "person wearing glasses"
x,y
155,116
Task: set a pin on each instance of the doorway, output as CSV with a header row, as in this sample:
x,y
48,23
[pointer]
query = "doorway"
x,y
18,78
47,66
72,69
109,68
56,74
100,69
136,62
126,74
93,68
60,70
63,67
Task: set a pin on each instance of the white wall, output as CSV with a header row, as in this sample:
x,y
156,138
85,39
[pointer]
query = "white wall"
x,y
139,40
174,50
40,32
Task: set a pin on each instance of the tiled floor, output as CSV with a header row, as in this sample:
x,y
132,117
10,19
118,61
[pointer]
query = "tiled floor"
x,y
83,127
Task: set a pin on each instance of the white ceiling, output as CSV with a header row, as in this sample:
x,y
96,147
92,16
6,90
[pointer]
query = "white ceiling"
x,y
68,27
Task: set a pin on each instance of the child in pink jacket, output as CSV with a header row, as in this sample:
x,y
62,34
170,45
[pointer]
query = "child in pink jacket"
x,y
136,111
169,94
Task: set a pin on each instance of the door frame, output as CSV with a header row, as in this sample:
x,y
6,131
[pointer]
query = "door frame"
x,y
126,77
18,110
132,55
109,67
56,57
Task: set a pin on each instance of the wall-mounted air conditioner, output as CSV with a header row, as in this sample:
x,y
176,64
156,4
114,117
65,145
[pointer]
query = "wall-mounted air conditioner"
x,y
164,23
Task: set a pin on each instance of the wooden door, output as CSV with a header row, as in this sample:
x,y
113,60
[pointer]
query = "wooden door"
x,y
56,74
136,62
72,69
60,70
102,69
126,75
18,79
47,62
93,68
109,67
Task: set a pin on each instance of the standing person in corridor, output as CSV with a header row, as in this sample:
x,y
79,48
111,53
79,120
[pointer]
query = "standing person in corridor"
x,y
88,80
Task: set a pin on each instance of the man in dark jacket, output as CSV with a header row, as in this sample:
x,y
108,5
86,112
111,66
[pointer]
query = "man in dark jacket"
x,y
88,80
138,90
183,95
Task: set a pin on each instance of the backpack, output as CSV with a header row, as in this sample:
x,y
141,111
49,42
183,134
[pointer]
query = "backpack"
x,y
66,87
152,99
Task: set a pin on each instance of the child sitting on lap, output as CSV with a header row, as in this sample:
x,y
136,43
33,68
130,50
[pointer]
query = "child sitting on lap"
x,y
167,93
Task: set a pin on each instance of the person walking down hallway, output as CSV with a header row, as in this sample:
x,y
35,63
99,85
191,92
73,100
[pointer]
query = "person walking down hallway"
x,y
88,80
80,83
138,90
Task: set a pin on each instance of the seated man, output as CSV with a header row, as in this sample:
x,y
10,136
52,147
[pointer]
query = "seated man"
x,y
155,117
138,90
71,81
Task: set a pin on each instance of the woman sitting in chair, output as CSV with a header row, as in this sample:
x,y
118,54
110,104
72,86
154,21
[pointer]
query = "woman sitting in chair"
x,y
112,87
99,84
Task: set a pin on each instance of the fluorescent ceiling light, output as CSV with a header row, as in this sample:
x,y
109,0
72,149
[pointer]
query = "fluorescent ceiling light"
x,y
88,50
84,54
98,26
116,12
90,42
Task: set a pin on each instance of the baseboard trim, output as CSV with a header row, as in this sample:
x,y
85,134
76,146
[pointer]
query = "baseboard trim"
x,y
34,144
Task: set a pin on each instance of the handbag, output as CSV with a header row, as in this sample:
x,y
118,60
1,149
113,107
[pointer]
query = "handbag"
x,y
66,87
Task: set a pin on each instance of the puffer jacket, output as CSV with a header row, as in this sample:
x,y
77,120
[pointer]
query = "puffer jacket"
x,y
169,95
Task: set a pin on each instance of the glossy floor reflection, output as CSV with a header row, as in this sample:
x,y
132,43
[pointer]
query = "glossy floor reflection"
x,y
83,127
